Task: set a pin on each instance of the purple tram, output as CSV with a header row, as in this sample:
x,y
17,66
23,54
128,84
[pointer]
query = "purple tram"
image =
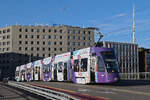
x,y
94,65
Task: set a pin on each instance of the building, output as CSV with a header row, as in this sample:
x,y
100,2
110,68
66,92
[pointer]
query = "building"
x,y
127,55
144,60
22,44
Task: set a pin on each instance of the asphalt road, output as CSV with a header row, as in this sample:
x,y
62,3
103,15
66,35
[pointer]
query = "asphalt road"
x,y
124,90
10,93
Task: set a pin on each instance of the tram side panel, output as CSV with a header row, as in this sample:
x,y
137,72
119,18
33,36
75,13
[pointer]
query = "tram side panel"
x,y
81,66
46,69
61,67
37,70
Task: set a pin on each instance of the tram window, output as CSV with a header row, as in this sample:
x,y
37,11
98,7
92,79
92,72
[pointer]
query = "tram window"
x,y
36,70
84,65
76,65
55,66
65,65
60,66
100,64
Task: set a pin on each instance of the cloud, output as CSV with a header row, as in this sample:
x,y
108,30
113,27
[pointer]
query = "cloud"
x,y
119,15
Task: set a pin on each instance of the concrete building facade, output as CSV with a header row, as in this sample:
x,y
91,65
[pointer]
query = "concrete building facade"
x,y
127,55
22,44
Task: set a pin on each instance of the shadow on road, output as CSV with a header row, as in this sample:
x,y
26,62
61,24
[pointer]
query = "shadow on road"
x,y
126,83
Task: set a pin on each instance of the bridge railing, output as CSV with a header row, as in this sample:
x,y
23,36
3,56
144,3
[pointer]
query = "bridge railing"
x,y
135,76
47,93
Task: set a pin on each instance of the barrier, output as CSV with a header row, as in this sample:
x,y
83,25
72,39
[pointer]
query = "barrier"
x,y
135,76
47,93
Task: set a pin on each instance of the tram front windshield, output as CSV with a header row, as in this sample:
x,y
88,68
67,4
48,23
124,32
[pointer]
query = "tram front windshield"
x,y
110,61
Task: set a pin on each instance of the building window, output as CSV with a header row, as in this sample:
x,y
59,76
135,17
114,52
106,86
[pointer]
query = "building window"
x,y
60,43
38,42
55,43
20,30
4,31
43,42
83,38
44,36
60,49
68,37
49,37
68,49
8,36
74,37
38,36
78,43
20,42
68,43
73,43
26,30
89,32
32,36
89,44
55,49
78,37
73,31
8,42
37,49
84,44
26,36
38,30
49,55
43,30
31,42
26,48
79,32
8,30
20,36
60,31
55,30
60,37
89,38
3,37
84,32
49,49
54,36
49,42
43,49
26,42
32,48
49,30
43,55
32,30
68,31
20,48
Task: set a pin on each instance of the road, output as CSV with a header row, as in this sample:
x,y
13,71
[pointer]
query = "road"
x,y
125,90
10,93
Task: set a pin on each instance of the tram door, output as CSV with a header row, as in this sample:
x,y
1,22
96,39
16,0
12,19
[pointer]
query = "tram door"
x,y
92,69
55,72
65,71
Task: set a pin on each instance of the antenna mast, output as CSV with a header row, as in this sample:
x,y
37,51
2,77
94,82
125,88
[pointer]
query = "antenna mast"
x,y
133,26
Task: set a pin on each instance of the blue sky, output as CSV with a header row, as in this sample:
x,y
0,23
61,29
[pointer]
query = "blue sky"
x,y
112,17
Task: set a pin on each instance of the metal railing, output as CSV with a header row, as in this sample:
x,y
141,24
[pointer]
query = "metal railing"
x,y
47,93
135,76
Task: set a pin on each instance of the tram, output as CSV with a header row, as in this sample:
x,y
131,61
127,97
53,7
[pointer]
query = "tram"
x,y
84,66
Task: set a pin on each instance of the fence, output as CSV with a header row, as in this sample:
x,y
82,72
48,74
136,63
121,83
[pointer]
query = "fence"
x,y
135,76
